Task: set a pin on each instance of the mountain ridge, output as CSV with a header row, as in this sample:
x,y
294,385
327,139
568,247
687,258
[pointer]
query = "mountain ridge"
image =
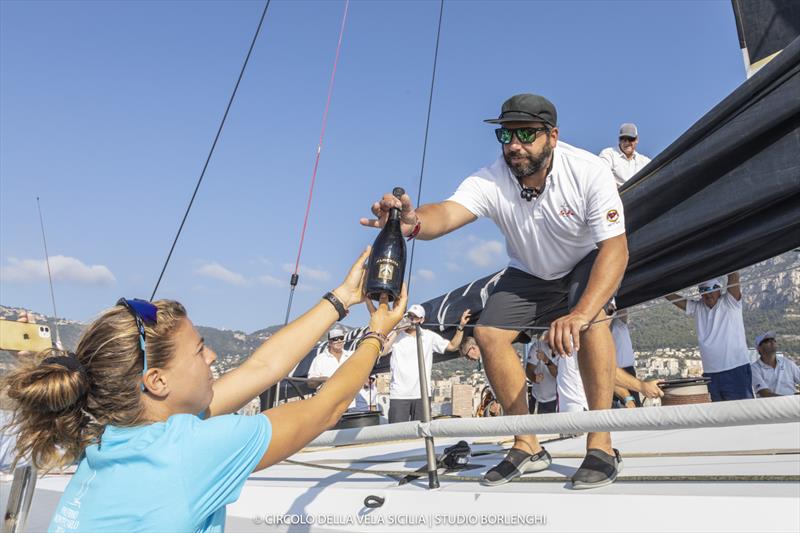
x,y
771,292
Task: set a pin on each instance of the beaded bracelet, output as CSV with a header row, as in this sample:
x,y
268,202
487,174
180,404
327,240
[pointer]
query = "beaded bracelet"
x,y
380,337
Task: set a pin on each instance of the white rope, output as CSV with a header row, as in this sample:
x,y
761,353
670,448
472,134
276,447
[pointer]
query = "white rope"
x,y
735,413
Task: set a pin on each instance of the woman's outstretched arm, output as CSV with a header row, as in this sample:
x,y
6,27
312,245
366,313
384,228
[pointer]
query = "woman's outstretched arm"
x,y
279,354
296,424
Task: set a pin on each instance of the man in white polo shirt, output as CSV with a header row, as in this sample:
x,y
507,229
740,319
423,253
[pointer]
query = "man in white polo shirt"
x,y
563,222
405,400
721,338
623,159
329,360
773,375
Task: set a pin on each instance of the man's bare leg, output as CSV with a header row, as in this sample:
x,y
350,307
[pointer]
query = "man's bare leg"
x,y
507,377
598,364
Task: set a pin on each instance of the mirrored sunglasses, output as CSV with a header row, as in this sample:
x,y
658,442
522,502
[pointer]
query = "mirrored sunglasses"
x,y
524,135
704,290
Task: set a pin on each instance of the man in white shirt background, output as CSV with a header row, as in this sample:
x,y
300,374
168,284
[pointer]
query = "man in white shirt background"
x,y
328,360
721,337
625,359
405,400
571,396
773,375
623,159
542,373
563,221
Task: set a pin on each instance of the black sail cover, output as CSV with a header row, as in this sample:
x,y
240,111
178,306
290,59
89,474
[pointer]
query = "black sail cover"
x,y
723,196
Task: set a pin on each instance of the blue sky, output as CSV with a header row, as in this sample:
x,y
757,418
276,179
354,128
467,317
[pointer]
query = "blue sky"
x,y
108,109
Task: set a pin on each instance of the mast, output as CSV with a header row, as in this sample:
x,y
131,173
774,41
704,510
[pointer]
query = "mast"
x,y
49,276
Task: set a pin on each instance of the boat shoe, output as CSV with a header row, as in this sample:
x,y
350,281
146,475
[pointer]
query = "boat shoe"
x,y
516,463
597,470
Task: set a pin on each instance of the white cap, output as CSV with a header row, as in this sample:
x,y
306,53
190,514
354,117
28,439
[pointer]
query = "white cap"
x,y
335,332
720,282
764,336
629,130
417,310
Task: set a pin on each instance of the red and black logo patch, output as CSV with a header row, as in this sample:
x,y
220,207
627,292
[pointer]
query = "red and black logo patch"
x,y
612,215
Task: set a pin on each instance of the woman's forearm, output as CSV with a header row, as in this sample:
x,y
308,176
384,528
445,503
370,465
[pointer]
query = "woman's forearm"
x,y
273,360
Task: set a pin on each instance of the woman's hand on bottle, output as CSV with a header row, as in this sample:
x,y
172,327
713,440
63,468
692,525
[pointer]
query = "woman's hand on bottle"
x,y
351,291
408,216
383,319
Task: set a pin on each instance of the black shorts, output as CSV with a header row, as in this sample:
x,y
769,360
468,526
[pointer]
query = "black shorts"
x,y
522,302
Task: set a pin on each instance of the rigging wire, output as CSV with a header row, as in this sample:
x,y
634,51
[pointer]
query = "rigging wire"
x,y
213,146
295,277
49,276
425,143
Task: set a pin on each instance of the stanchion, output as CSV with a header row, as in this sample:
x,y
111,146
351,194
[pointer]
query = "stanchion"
x,y
19,499
430,450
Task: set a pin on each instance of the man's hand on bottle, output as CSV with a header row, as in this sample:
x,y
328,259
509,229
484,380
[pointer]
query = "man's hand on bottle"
x,y
408,216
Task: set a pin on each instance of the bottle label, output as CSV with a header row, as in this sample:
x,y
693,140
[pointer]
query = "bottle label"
x,y
386,269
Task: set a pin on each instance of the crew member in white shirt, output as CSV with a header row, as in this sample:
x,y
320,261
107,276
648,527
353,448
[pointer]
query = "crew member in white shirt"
x,y
720,335
329,359
569,385
405,400
623,159
542,373
625,359
562,218
773,375
365,399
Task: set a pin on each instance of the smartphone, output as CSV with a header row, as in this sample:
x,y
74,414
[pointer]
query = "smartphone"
x,y
17,336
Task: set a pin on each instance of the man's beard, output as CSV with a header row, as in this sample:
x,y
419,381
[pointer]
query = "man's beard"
x,y
531,165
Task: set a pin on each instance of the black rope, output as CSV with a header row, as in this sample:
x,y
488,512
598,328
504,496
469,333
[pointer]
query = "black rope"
x,y
425,143
211,151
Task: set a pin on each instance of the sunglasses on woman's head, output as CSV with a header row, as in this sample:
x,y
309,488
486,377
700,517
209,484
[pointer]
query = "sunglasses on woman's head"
x,y
144,313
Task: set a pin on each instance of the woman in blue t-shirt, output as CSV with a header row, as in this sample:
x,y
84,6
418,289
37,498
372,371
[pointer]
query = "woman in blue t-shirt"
x,y
126,403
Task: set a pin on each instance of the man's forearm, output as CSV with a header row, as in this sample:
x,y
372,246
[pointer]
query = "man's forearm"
x,y
626,381
606,275
734,287
439,219
677,300
456,341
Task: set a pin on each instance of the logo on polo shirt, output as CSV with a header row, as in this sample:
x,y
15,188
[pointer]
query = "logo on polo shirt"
x,y
566,211
612,215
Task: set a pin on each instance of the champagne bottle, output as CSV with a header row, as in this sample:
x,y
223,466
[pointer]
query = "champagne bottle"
x,y
387,262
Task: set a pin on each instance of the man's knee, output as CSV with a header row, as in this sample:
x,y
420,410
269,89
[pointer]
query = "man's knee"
x,y
489,337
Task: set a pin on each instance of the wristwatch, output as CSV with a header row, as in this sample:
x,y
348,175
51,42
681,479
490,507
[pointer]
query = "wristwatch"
x,y
336,303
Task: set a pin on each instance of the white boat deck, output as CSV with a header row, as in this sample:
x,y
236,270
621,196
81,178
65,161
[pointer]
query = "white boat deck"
x,y
291,497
